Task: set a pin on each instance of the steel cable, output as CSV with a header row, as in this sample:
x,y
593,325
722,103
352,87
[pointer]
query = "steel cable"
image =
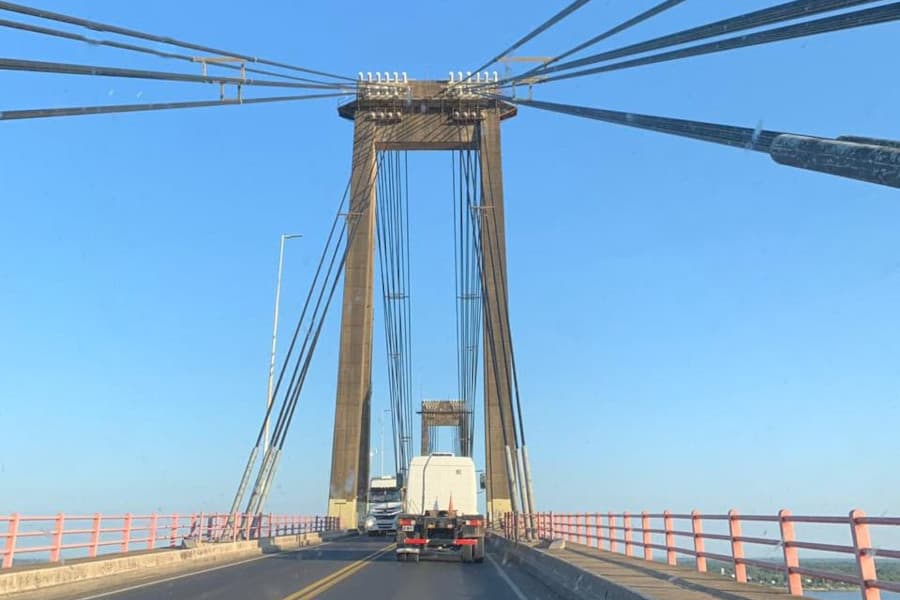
x,y
98,26
39,113
787,11
536,32
145,50
851,20
36,66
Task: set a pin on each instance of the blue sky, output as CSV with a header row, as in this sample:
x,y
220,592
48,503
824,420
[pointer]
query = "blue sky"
x,y
696,326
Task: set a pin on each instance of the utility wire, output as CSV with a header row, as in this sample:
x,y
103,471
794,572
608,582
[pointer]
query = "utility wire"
x,y
36,66
536,32
97,26
850,20
768,16
39,113
144,49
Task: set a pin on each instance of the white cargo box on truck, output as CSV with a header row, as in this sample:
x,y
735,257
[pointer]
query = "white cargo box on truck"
x,y
434,479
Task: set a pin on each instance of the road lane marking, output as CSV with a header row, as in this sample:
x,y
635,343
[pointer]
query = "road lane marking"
x,y
192,573
329,581
512,585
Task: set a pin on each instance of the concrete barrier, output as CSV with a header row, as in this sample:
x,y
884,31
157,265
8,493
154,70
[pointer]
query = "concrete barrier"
x,y
141,564
565,579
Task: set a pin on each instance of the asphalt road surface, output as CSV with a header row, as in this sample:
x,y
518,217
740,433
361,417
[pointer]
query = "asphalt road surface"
x,y
363,568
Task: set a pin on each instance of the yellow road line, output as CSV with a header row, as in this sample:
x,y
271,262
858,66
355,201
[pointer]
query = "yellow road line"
x,y
329,581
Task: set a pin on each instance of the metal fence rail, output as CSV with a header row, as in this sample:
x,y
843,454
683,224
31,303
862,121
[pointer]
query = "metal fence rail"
x,y
674,534
62,536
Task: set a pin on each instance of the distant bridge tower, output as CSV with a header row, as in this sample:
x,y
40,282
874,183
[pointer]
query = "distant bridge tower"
x,y
418,115
445,413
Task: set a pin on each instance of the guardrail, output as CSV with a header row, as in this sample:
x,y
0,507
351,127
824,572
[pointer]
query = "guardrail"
x,y
666,531
53,538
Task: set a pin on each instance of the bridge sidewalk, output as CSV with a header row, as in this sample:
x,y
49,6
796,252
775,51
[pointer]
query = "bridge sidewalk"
x,y
661,581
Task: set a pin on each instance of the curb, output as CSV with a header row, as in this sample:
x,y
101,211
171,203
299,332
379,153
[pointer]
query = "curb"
x,y
563,578
128,567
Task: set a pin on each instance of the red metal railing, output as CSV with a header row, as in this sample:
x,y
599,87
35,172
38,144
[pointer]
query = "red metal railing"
x,y
52,538
672,534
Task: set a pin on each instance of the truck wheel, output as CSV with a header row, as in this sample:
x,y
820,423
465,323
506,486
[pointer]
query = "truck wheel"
x,y
468,553
401,557
417,557
479,551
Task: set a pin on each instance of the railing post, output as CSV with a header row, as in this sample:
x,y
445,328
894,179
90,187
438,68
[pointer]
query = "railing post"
x,y
248,526
670,538
598,523
865,561
12,531
269,528
317,522
550,525
152,536
791,557
697,528
737,547
126,533
202,525
234,527
95,536
646,537
173,530
626,523
57,538
613,546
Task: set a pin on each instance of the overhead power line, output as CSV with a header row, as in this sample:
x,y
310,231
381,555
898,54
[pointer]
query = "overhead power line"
x,y
142,49
35,66
768,16
97,26
866,159
850,20
39,113
536,32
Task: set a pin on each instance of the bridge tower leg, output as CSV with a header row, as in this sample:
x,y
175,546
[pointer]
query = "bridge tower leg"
x,y
499,425
350,449
421,115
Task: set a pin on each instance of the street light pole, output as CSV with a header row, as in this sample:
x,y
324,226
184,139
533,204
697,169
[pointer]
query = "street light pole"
x,y
269,398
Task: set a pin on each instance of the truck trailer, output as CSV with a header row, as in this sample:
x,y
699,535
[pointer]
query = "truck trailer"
x,y
440,510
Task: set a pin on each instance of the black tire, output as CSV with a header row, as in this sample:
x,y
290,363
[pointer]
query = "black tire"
x,y
401,557
479,551
417,557
468,554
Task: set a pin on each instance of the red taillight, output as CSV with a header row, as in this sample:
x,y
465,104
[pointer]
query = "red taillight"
x,y
406,521
474,522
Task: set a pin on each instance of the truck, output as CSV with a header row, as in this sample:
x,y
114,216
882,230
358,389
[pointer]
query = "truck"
x,y
383,504
440,510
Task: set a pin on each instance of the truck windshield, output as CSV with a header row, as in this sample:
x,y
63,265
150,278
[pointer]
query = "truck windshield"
x,y
384,495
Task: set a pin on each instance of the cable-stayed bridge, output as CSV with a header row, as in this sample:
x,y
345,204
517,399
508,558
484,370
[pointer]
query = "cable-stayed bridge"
x,y
606,554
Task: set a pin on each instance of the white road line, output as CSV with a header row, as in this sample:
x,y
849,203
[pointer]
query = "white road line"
x,y
192,573
518,592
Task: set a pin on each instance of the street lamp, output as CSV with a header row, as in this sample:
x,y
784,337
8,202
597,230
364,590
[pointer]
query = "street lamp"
x,y
269,398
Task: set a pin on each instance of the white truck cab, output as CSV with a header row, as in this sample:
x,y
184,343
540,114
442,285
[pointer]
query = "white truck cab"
x,y
383,504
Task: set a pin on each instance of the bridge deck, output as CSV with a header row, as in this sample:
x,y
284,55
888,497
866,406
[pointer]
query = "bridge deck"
x,y
661,581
